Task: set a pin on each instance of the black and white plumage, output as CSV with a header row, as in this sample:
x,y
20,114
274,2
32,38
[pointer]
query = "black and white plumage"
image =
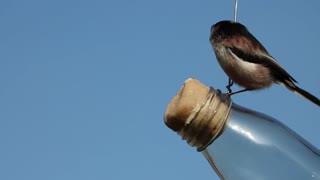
x,y
246,61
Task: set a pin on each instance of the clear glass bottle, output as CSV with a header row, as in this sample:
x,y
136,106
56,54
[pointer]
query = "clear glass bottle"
x,y
240,143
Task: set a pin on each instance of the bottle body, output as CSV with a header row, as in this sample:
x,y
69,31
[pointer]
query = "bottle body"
x,y
255,146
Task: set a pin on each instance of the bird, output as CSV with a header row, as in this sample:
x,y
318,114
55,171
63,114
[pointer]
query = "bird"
x,y
247,62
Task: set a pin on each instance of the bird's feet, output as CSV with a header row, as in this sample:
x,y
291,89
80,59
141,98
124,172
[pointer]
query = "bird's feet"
x,y
233,93
230,84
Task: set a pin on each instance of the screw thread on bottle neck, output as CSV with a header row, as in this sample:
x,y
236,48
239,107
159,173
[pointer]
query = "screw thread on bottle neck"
x,y
198,113
206,121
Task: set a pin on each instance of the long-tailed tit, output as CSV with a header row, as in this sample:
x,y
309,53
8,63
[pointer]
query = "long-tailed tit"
x,y
247,63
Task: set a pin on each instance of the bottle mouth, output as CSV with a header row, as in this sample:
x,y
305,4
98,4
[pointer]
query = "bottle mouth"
x,y
207,120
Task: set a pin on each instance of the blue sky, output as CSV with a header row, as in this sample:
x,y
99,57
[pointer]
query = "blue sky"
x,y
84,84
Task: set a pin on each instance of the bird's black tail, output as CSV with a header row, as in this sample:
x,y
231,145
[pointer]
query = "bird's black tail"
x,y
302,93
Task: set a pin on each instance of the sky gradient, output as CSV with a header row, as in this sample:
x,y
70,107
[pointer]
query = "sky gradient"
x,y
84,84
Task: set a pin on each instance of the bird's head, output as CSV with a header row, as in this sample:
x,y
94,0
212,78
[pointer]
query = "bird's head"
x,y
225,29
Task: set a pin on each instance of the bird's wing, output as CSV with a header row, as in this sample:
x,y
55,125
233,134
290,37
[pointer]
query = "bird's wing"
x,y
264,59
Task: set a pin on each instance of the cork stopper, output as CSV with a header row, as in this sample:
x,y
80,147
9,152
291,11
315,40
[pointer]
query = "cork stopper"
x,y
198,113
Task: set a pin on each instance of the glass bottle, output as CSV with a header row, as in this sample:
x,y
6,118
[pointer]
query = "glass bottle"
x,y
239,143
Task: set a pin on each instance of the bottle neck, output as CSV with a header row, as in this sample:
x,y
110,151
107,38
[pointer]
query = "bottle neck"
x,y
207,120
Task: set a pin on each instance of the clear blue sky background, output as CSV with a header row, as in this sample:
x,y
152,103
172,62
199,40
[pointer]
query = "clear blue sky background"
x,y
84,84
